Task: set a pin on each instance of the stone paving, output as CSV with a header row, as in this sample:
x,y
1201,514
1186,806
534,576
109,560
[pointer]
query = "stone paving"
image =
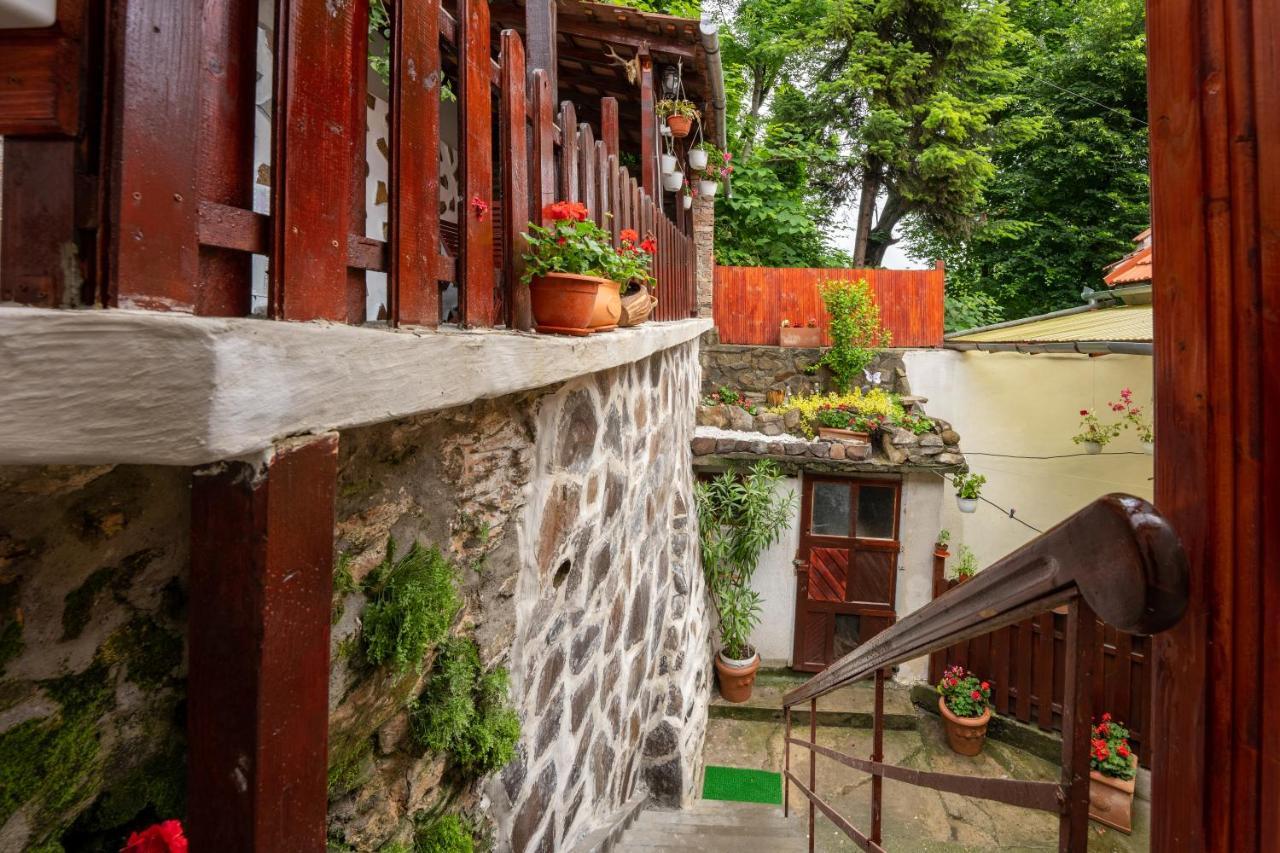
x,y
915,819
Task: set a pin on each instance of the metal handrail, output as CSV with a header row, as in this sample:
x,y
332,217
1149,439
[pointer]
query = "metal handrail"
x,y
1117,560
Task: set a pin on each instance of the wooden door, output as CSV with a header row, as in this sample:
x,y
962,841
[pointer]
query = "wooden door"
x,y
846,568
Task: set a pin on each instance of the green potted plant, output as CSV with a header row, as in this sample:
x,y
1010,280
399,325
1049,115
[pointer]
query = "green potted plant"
x,y
968,490
740,514
575,275
966,564
1133,416
854,329
719,167
940,544
1113,766
965,704
679,114
850,427
1094,434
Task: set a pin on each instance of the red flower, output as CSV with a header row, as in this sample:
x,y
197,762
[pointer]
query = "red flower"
x,y
1123,750
629,235
1084,412
164,837
480,206
986,685
1106,718
649,245
975,695
565,210
560,241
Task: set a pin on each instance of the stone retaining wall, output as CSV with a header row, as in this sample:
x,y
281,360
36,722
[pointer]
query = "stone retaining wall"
x,y
754,370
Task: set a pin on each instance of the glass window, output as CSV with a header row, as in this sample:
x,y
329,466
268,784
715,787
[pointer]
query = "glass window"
x,y
831,509
875,512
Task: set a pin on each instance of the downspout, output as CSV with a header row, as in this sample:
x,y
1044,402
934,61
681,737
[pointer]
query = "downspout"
x,y
710,36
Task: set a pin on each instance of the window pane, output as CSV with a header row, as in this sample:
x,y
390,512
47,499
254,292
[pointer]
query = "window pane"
x,y
830,509
875,512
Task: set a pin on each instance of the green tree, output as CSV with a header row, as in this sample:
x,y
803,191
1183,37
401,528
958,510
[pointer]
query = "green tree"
x,y
1066,200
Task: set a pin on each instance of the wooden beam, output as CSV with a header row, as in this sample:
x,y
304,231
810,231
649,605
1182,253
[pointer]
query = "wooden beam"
x,y
40,76
543,169
611,35
648,129
515,179
261,589
412,289
540,28
475,169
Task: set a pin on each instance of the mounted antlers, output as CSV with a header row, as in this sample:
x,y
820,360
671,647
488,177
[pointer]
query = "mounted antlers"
x,y
632,65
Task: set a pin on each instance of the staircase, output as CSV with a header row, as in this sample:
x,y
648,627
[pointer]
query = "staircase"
x,y
715,825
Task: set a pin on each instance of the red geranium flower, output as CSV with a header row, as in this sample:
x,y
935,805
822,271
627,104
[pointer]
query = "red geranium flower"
x,y
1084,412
1106,718
565,210
649,245
986,685
164,837
975,695
629,235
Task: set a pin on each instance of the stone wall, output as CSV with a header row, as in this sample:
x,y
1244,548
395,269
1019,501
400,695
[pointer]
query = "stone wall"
x,y
704,239
754,370
568,515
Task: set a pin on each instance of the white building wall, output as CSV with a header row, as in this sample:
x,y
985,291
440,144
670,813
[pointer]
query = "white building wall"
x,y
775,580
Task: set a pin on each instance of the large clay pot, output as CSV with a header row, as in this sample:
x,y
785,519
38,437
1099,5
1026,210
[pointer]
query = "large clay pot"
x,y
680,125
1111,800
569,304
966,735
736,677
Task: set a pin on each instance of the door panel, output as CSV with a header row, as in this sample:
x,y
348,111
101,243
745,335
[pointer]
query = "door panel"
x,y
871,583
828,573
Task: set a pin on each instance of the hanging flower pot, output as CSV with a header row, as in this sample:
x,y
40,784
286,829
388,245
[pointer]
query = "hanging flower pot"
x,y
969,505
668,163
1148,447
680,125
968,488
707,188
698,159
688,202
673,182
1091,447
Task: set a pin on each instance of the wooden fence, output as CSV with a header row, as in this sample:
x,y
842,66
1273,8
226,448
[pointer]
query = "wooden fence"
x,y
1026,663
174,172
752,302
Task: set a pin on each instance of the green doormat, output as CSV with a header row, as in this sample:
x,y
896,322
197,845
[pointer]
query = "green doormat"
x,y
743,786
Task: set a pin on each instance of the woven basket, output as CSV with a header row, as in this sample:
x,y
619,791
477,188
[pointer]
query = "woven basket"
x,y
637,306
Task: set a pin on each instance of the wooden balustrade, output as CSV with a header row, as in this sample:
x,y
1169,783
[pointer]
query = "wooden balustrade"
x,y
177,228
1117,558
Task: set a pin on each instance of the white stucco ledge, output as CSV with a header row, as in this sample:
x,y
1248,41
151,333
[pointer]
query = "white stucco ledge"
x,y
120,386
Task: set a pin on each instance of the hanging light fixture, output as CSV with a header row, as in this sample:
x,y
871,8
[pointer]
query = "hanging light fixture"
x,y
670,82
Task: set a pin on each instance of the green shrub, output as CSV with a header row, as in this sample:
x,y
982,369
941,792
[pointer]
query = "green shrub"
x,y
854,328
414,603
443,834
463,711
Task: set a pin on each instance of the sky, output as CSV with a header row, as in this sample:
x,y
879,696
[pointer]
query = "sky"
x,y
894,259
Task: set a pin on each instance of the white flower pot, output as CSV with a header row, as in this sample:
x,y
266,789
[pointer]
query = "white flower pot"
x,y
1091,447
697,159
673,182
688,202
668,163
708,189
1148,447
969,505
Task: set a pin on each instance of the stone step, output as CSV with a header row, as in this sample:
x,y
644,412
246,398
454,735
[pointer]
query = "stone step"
x,y
710,841
716,826
728,823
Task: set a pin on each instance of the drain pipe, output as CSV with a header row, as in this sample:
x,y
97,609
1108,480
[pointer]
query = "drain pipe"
x,y
710,34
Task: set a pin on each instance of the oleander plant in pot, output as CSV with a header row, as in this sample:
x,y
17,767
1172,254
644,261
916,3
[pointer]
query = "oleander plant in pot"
x,y
1113,767
964,700
679,115
968,490
575,275
740,514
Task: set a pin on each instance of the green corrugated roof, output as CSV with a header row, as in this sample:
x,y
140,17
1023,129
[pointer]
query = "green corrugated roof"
x,y
1121,323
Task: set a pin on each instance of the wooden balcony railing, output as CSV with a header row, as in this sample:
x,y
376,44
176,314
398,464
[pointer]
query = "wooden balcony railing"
x,y
1116,560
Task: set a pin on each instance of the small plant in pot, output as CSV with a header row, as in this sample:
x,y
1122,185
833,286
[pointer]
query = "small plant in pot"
x,y
1113,766
964,701
679,114
966,564
719,167
968,490
740,514
699,154
1134,416
1094,434
940,544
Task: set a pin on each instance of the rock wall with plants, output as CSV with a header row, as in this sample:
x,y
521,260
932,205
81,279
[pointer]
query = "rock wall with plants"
x,y
754,370
520,641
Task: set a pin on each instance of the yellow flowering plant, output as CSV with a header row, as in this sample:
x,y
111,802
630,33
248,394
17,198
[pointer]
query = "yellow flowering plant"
x,y
877,401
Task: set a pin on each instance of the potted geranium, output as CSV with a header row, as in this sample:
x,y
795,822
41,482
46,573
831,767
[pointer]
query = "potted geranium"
x,y
848,425
635,258
965,704
574,273
679,114
1134,417
740,514
966,564
968,490
1094,434
1113,766
699,155
717,169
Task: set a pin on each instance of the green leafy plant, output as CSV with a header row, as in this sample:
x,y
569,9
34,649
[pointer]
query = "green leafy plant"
x,y
877,401
1133,416
463,710
1110,753
968,486
944,536
918,424
677,107
728,397
966,563
854,328
739,516
850,419
445,833
414,601
1094,431
965,694
574,244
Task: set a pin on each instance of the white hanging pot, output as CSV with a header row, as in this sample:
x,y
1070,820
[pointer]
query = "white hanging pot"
x,y
708,188
673,181
1148,447
668,163
967,504
697,159
1091,447
688,202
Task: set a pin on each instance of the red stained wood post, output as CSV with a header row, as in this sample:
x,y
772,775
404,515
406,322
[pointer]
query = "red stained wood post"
x,y
569,152
813,765
475,178
154,205
515,178
786,761
877,755
1077,711
415,166
542,173
648,127
38,222
313,166
261,589
357,98
609,124
540,26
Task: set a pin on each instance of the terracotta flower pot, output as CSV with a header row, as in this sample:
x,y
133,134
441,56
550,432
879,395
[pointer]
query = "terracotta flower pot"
x,y
736,677
965,735
796,336
941,551
680,125
569,304
846,435
1111,799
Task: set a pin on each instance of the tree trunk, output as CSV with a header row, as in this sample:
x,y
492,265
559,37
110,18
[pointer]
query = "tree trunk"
x,y
866,210
881,236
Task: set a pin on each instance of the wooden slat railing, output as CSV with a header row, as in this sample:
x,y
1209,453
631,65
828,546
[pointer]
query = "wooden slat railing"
x,y
1116,560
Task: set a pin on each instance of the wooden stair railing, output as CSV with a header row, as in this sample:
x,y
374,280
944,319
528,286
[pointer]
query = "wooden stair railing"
x,y
1116,560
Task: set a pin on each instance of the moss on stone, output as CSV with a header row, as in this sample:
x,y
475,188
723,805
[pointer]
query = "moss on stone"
x,y
414,603
463,711
446,833
344,583
149,652
348,766
10,640
77,606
